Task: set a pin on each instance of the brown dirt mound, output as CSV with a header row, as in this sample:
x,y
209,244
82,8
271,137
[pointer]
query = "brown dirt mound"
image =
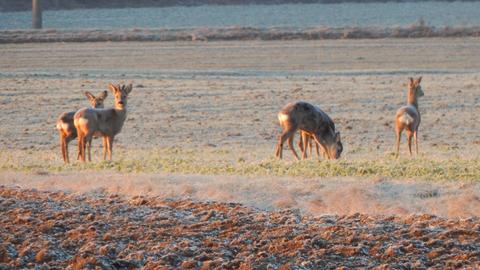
x,y
59,230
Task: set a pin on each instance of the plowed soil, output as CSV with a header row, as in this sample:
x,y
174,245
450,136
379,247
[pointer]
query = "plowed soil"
x,y
57,230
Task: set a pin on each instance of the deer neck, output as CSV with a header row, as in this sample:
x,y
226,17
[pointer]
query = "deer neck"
x,y
412,99
120,116
121,112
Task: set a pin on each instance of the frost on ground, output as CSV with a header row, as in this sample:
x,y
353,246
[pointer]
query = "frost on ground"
x,y
226,95
313,196
71,231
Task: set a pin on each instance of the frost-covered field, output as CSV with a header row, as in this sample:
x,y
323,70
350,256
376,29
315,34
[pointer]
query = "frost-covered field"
x,y
210,107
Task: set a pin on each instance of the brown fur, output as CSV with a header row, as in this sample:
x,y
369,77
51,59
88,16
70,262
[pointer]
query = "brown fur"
x,y
311,120
102,122
408,117
65,125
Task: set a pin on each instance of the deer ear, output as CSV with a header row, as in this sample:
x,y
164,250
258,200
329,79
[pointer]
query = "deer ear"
x,y
128,89
112,88
89,95
419,80
411,80
103,95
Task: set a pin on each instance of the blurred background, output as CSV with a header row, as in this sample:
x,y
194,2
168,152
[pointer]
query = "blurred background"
x,y
171,14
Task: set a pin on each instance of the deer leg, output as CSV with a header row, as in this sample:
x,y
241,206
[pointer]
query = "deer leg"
x,y
83,141
285,135
317,140
278,151
68,139
409,141
110,146
78,155
279,148
84,148
79,139
290,145
415,140
67,160
64,150
304,138
80,147
399,136
303,144
318,150
89,147
310,144
300,142
105,144
62,146
323,151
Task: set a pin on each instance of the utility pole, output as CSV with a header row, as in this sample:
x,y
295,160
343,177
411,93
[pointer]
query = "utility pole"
x,y
36,14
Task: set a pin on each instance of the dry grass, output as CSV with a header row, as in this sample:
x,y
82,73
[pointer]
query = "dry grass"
x,y
376,186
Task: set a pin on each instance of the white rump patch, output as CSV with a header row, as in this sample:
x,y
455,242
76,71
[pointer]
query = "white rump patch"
x,y
64,126
406,119
81,121
282,117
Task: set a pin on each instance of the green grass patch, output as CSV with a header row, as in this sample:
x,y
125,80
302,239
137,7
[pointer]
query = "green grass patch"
x,y
220,162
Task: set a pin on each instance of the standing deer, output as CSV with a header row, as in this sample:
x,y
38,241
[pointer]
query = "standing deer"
x,y
408,117
102,122
65,125
311,120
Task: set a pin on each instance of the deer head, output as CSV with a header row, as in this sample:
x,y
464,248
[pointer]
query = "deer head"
x,y
96,102
415,89
120,93
333,147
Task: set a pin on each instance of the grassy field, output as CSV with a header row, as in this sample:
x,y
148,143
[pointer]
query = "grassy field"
x,y
210,161
202,121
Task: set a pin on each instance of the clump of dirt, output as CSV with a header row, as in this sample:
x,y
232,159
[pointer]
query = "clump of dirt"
x,y
107,231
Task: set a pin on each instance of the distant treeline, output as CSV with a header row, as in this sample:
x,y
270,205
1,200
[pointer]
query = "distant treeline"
x,y
19,5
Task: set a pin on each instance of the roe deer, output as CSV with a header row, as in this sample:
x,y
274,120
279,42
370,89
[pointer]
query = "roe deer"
x,y
65,125
102,122
408,117
310,119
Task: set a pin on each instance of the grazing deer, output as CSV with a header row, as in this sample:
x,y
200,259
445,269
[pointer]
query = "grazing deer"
x,y
408,117
65,125
102,122
313,121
